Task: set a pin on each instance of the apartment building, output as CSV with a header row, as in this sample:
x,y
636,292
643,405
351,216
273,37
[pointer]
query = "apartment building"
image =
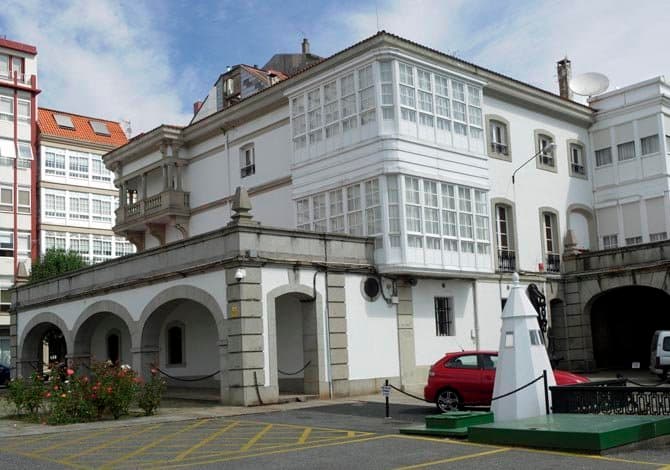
x,y
76,191
18,134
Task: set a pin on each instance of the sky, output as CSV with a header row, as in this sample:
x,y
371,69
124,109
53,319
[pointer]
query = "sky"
x,y
147,61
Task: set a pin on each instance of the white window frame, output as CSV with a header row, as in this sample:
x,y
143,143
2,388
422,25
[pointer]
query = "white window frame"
x,y
247,160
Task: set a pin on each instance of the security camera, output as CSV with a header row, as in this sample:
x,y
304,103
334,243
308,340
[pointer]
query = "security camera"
x,y
240,274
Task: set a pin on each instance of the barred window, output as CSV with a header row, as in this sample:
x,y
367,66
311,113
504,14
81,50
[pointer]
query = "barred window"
x,y
444,316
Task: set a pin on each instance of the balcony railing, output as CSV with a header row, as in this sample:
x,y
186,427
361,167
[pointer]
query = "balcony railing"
x,y
169,202
553,263
497,147
506,261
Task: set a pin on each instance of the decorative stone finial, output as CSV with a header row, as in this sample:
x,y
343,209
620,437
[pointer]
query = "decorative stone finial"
x,y
515,279
241,207
570,243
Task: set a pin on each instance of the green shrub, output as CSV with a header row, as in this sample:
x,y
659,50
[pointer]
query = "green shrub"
x,y
68,397
26,395
149,394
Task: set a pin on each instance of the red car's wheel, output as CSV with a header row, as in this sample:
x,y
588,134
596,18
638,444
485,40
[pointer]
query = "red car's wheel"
x,y
448,400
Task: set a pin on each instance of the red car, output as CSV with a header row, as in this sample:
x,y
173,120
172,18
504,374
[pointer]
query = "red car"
x,y
466,378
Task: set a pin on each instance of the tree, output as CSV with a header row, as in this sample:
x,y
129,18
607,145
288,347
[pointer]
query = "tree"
x,y
55,262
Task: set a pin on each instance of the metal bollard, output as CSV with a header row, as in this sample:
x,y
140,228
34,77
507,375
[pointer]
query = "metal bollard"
x,y
546,391
386,384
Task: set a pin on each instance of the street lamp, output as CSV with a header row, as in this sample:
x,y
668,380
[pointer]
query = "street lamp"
x,y
544,149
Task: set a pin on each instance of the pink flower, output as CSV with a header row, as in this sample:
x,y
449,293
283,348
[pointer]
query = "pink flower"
x,y
109,389
55,387
70,372
48,394
63,395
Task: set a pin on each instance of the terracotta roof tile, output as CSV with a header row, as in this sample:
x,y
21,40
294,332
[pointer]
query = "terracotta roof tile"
x,y
18,46
82,128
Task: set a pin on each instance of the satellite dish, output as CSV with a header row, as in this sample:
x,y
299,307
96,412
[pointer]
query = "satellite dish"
x,y
589,84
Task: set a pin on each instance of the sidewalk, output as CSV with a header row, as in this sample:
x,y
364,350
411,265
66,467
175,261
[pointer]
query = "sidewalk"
x,y
183,410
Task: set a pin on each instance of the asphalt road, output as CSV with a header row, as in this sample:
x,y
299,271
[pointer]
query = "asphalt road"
x,y
344,435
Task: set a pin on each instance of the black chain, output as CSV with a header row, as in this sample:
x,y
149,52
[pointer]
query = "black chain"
x,y
518,389
409,394
296,372
182,379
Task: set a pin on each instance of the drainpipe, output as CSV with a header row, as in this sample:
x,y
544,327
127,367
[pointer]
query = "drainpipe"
x,y
476,313
327,324
15,189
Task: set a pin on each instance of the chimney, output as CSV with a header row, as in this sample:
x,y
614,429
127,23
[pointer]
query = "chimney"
x,y
305,46
564,71
196,107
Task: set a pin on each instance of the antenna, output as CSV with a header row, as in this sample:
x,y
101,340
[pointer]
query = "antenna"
x,y
589,84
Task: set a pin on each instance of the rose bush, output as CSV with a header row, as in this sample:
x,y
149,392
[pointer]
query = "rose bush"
x,y
71,397
149,394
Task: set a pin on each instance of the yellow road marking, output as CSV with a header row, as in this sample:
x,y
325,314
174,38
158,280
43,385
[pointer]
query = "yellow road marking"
x,y
109,443
47,459
455,459
68,442
527,449
256,438
30,440
206,441
443,440
587,456
305,434
195,462
155,443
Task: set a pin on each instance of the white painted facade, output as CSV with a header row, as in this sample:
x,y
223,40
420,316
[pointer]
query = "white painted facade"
x,y
458,175
393,143
630,164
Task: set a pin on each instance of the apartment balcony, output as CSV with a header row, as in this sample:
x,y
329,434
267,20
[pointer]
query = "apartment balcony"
x,y
157,209
506,261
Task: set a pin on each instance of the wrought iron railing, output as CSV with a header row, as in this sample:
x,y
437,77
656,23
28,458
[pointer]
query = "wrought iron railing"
x,y
553,263
610,397
506,261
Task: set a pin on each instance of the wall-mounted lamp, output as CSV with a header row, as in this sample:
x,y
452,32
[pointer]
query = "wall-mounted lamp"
x,y
546,148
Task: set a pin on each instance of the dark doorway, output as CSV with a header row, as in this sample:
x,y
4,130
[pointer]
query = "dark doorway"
x,y
623,321
113,347
54,346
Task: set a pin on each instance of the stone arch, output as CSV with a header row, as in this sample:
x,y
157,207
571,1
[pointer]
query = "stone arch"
x,y
184,292
205,335
31,336
108,306
303,294
618,338
587,213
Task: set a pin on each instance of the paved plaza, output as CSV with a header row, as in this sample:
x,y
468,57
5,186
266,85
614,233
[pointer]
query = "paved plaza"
x,y
337,434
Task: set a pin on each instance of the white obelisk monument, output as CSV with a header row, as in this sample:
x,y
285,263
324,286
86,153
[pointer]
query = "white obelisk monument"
x,y
522,357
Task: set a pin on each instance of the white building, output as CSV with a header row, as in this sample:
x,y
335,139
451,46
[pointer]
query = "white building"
x,y
18,134
448,168
630,165
77,193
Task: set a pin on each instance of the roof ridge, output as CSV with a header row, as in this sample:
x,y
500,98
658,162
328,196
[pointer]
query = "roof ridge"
x,y
78,115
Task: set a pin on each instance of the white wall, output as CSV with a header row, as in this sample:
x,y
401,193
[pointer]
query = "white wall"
x,y
428,346
372,333
535,188
201,353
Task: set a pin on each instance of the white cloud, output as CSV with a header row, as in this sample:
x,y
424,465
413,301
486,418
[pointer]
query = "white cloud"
x,y
524,40
102,58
